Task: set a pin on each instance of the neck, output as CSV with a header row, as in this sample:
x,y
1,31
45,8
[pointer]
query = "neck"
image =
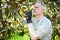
x,y
38,16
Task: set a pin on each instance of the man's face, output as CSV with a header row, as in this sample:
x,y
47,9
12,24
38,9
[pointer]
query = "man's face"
x,y
37,9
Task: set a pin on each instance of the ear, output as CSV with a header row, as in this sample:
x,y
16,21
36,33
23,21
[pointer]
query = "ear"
x,y
43,10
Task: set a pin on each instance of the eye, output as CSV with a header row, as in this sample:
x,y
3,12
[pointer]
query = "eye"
x,y
36,7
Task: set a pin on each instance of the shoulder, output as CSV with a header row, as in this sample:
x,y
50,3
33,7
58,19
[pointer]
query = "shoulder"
x,y
46,20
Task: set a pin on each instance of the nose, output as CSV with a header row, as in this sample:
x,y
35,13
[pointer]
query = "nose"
x,y
33,8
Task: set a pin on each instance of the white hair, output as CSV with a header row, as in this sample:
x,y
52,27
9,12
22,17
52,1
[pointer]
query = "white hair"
x,y
43,5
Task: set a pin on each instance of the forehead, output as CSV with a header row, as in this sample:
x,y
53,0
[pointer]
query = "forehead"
x,y
37,4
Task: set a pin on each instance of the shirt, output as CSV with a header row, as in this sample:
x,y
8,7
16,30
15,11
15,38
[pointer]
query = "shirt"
x,y
43,28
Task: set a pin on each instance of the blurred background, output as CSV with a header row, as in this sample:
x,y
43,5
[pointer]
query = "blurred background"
x,y
12,13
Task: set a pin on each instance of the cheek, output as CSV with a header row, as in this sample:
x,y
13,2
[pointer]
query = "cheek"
x,y
38,10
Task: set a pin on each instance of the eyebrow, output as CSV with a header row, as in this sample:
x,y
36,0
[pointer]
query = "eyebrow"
x,y
37,6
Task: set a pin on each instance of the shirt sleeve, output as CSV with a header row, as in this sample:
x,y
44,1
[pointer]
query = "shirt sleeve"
x,y
43,29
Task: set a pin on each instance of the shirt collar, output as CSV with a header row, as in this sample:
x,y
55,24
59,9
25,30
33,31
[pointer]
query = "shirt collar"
x,y
40,19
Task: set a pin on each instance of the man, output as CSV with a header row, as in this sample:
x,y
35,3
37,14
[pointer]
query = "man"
x,y
39,27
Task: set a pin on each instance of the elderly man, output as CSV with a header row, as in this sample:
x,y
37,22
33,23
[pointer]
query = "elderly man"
x,y
39,27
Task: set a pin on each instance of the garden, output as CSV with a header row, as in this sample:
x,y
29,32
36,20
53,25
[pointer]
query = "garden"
x,y
12,16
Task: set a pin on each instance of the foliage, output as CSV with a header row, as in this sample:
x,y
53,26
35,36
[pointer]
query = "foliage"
x,y
13,12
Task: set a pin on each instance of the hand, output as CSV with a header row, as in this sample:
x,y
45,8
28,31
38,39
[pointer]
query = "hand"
x,y
29,15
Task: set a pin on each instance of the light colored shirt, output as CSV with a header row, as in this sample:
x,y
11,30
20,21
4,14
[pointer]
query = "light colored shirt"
x,y
43,28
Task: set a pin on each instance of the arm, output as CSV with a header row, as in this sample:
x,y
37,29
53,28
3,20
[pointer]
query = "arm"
x,y
44,29
32,32
30,26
